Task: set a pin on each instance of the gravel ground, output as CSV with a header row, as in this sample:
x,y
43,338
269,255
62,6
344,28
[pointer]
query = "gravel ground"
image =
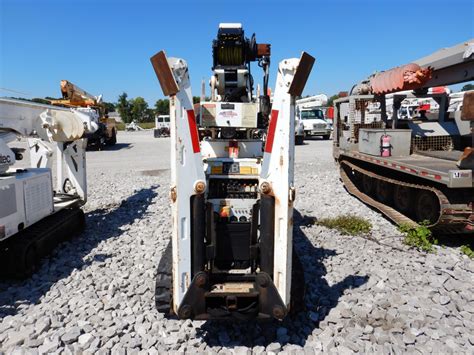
x,y
96,291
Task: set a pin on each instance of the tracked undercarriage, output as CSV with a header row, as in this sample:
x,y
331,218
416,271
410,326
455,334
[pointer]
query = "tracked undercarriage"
x,y
416,169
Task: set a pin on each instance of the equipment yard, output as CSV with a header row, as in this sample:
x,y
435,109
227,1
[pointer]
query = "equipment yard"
x,y
369,296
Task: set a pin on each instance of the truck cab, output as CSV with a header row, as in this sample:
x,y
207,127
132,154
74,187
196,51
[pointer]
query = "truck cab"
x,y
162,126
314,123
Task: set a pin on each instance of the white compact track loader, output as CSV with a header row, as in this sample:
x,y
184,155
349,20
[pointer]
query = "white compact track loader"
x,y
232,193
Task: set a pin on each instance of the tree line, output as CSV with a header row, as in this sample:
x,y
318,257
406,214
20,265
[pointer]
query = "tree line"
x,y
137,109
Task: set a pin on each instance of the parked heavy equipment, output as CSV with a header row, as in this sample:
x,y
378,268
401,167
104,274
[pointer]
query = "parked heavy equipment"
x,y
232,187
418,169
81,100
39,210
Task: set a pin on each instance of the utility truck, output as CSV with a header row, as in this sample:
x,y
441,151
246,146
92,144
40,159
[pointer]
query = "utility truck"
x,y
162,126
232,188
413,170
92,106
310,113
40,204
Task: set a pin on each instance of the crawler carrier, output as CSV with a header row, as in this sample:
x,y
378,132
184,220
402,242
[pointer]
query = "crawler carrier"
x,y
417,169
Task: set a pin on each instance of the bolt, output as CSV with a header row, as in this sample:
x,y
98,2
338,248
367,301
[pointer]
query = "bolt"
x,y
199,187
200,280
184,311
278,312
265,188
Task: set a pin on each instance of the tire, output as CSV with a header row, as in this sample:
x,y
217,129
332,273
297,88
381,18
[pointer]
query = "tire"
x,y
403,199
326,137
427,207
112,140
384,191
299,140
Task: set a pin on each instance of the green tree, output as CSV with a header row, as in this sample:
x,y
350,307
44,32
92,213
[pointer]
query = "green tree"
x,y
124,108
149,115
109,107
162,107
196,99
41,101
331,100
139,108
468,87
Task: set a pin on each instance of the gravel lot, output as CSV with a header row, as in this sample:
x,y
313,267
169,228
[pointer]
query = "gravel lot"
x,y
96,291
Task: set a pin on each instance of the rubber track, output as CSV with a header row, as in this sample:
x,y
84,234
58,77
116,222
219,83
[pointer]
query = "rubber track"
x,y
164,282
44,236
298,285
452,218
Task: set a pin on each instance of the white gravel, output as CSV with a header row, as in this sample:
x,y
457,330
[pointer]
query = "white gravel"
x,y
96,291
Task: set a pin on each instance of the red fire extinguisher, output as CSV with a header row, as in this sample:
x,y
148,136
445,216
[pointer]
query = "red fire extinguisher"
x,y
385,145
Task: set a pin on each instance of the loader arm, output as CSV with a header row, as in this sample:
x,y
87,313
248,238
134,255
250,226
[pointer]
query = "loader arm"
x,y
277,176
187,172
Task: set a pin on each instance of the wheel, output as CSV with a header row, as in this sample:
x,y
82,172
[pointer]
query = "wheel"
x,y
112,140
427,207
299,140
403,199
326,137
384,191
367,184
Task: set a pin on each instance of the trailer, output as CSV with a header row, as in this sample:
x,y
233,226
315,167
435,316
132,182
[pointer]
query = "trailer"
x,y
412,170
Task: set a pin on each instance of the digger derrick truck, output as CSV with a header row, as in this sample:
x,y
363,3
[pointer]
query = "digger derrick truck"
x,y
39,209
73,96
418,169
232,187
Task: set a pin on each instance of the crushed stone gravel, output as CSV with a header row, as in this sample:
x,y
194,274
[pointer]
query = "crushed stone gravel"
x,y
96,292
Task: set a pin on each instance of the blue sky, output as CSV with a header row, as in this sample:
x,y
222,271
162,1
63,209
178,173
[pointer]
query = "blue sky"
x,y
104,46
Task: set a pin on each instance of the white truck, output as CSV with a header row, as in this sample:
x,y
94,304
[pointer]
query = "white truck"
x,y
39,209
162,126
232,188
310,113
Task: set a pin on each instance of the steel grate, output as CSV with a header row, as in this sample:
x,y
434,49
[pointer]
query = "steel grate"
x,y
432,143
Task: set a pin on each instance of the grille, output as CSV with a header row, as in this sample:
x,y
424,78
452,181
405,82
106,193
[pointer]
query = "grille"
x,y
432,143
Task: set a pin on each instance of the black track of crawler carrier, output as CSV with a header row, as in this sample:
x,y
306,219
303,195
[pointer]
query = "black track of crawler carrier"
x,y
20,254
449,218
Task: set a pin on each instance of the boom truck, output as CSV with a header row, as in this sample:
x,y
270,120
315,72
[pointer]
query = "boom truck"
x,y
73,96
419,169
38,210
232,188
